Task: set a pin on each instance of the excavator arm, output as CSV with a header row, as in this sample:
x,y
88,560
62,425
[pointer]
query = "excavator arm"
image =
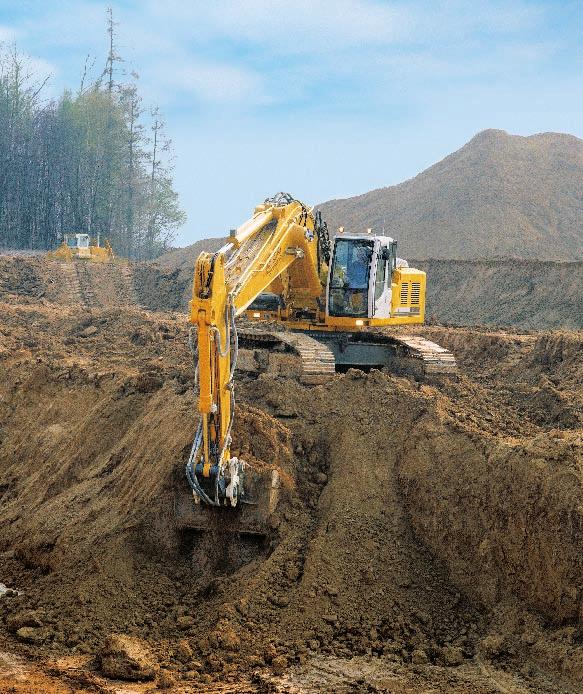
x,y
283,243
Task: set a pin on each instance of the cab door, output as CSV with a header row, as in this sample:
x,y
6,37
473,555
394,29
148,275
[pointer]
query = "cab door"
x,y
381,292
350,277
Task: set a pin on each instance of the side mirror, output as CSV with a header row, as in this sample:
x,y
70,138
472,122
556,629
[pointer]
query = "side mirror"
x,y
386,253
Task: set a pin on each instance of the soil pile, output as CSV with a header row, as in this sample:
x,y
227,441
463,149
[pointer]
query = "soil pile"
x,y
523,294
26,278
159,289
36,279
425,529
499,196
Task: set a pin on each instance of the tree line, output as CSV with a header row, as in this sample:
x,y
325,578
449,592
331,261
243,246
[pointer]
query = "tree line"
x,y
91,162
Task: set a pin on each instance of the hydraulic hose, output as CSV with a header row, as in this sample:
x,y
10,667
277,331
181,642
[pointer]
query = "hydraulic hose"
x,y
231,337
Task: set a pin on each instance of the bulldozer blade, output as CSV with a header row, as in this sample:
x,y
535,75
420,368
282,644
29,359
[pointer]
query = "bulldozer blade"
x,y
252,515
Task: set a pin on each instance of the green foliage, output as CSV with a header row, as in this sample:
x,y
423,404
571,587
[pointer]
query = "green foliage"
x,y
85,163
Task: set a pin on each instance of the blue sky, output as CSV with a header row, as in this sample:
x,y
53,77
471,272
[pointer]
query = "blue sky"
x,y
321,98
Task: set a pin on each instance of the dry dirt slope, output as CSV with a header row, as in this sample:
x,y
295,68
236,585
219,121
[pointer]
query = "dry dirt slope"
x,y
525,294
434,530
499,196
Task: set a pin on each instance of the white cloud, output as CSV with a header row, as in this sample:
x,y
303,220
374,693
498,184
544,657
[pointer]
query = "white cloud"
x,y
33,70
310,25
70,24
40,67
289,52
212,82
7,34
298,26
317,26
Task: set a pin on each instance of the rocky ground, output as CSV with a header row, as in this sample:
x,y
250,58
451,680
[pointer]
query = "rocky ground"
x,y
429,537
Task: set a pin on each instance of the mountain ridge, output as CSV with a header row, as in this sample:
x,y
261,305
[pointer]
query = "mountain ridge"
x,y
499,195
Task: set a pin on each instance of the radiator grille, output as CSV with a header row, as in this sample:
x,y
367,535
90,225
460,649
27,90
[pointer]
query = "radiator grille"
x,y
415,292
405,293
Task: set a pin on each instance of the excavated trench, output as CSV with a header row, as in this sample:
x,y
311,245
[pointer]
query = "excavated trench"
x,y
429,536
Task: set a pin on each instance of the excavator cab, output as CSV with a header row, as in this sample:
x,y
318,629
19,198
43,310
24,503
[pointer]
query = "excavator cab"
x,y
359,281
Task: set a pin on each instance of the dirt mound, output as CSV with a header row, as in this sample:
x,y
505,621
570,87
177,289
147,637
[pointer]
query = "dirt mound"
x,y
425,527
499,196
534,377
159,289
524,294
30,280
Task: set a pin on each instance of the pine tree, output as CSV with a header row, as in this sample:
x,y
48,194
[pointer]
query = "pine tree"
x,y
85,163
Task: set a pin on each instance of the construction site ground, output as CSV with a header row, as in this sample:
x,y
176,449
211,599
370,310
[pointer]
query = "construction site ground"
x,y
429,537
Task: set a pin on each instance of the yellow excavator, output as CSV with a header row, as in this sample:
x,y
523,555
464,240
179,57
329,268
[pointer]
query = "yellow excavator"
x,y
327,303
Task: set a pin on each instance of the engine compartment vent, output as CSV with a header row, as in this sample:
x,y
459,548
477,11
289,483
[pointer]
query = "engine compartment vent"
x,y
415,292
405,293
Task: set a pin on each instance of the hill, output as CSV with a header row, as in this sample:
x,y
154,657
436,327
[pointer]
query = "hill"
x,y
179,258
497,225
499,196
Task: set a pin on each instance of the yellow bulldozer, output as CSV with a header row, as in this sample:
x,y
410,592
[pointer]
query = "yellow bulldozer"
x,y
79,246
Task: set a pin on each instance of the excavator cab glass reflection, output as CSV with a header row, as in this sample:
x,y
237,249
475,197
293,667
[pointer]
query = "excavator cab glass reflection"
x,y
350,277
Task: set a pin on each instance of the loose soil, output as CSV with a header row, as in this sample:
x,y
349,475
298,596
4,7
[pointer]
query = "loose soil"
x,y
429,538
524,294
527,295
89,285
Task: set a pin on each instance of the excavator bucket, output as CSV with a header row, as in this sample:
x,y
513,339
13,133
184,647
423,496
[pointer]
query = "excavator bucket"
x,y
253,514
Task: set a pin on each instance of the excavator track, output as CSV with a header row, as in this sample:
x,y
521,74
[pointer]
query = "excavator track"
x,y
320,353
317,360
434,358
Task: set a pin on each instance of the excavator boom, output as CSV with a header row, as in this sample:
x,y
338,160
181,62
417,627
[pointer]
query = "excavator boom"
x,y
282,233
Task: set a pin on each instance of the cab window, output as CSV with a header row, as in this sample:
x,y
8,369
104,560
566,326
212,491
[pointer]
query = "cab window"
x,y
349,278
